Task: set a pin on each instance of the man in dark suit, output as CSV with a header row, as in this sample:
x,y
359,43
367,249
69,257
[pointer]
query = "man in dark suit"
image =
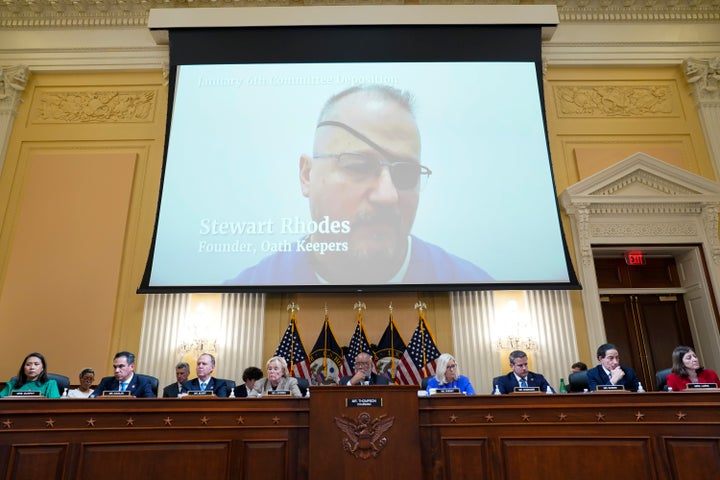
x,y
182,372
520,376
204,381
125,378
610,372
363,373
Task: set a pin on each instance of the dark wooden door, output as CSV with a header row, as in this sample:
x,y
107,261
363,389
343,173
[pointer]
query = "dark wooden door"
x,y
646,327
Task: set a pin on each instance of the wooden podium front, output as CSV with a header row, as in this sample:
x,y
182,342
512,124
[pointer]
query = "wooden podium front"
x,y
364,432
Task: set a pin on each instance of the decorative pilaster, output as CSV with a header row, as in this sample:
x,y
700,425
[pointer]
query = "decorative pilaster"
x,y
704,79
13,80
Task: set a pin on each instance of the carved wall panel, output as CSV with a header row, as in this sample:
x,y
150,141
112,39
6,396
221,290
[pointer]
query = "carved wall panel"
x,y
94,106
615,100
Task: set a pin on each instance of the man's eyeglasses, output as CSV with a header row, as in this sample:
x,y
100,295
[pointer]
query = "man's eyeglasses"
x,y
361,167
362,364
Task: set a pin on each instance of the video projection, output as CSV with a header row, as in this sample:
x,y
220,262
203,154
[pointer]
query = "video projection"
x,y
356,158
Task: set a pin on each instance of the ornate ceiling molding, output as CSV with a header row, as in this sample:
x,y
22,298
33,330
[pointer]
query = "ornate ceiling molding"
x,y
134,13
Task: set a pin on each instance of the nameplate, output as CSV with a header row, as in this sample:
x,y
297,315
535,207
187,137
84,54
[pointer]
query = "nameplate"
x,y
610,388
444,391
116,393
701,385
200,393
526,389
25,393
363,402
278,392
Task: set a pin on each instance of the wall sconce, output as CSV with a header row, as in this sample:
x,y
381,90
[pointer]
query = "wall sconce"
x,y
199,333
515,330
526,344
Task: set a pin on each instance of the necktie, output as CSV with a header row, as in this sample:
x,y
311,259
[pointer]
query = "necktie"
x,y
523,382
203,385
123,385
609,378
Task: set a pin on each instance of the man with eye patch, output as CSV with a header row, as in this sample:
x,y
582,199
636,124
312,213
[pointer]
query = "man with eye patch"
x,y
363,179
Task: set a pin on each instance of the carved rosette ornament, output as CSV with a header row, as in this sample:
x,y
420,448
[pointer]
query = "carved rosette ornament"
x,y
365,437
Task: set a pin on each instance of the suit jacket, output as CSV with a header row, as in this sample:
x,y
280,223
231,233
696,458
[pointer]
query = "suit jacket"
x,y
171,391
139,387
507,383
375,379
218,386
262,386
597,376
241,391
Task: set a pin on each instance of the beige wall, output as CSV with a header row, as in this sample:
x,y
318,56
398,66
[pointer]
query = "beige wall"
x,y
79,188
598,116
78,193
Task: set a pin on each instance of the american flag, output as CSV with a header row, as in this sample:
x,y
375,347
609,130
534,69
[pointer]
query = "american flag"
x,y
292,350
420,355
358,343
389,349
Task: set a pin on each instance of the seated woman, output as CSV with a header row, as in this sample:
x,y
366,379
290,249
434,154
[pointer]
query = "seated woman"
x,y
447,375
687,369
87,378
250,376
32,376
278,379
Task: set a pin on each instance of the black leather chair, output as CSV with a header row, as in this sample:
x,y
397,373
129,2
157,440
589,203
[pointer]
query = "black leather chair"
x,y
153,382
424,383
62,381
230,383
303,385
661,379
578,382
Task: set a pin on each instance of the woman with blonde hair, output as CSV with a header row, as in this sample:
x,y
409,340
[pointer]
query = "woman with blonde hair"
x,y
278,380
447,375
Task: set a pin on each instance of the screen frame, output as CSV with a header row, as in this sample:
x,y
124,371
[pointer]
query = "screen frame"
x,y
348,40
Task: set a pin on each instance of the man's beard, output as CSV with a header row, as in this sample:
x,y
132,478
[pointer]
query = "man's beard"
x,y
374,257
380,250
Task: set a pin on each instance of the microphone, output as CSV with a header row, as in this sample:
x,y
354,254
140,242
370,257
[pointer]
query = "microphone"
x,y
367,379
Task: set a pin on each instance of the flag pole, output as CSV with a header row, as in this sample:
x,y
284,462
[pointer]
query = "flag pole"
x,y
360,306
392,344
292,308
325,340
420,306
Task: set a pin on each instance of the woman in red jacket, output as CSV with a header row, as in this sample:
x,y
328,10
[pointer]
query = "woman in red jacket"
x,y
687,369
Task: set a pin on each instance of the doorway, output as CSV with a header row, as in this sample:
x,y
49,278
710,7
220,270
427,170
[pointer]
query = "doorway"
x,y
644,312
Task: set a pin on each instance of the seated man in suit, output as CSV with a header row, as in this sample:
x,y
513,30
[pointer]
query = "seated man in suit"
x,y
520,376
204,380
125,378
182,372
610,372
363,373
